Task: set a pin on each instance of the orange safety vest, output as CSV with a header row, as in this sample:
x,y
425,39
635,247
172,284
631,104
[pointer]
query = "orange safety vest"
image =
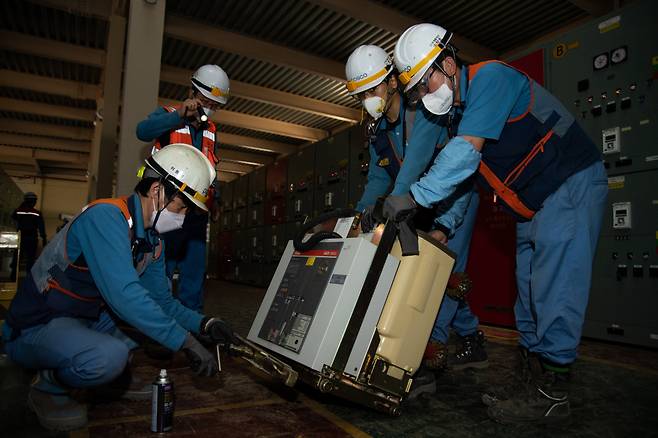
x,y
183,135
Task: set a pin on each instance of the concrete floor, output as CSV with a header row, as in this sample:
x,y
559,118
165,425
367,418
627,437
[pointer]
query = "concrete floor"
x,y
616,394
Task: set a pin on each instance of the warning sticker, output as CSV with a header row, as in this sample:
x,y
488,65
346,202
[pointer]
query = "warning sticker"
x,y
310,261
616,182
610,24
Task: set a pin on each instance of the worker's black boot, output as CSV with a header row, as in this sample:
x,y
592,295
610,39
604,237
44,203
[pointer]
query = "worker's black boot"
x,y
517,380
436,356
54,405
544,400
424,383
470,353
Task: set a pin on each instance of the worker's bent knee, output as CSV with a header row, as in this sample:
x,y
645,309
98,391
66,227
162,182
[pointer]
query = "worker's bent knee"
x,y
97,365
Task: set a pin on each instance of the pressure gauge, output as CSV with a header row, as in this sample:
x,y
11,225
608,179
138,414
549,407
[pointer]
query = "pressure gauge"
x,y
619,55
600,61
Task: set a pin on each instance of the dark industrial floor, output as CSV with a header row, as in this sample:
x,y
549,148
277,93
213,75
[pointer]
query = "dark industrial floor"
x,y
616,395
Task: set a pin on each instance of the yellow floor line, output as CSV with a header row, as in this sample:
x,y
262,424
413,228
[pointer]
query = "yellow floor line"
x,y
185,412
335,419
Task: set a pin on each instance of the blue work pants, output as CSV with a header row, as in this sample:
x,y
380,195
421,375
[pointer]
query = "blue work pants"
x,y
457,313
554,257
82,353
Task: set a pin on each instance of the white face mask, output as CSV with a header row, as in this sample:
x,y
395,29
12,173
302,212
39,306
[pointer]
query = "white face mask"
x,y
375,106
440,101
164,220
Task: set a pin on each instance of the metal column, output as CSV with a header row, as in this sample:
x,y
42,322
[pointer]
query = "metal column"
x,y
103,146
140,89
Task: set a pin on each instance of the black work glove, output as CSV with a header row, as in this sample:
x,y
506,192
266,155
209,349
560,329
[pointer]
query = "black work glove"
x,y
201,361
368,221
218,331
399,208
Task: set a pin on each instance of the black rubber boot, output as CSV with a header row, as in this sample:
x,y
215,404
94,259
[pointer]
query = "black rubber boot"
x,y
424,383
470,353
544,400
518,380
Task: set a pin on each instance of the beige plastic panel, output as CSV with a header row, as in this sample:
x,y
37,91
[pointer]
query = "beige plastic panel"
x,y
413,303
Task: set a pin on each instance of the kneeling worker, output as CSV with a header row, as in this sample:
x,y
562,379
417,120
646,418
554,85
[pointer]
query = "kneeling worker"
x,y
106,264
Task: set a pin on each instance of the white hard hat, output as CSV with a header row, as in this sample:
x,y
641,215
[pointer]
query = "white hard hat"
x,y
186,168
212,82
416,49
366,68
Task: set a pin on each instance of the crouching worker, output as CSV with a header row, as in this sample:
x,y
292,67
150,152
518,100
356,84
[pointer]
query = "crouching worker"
x,y
106,264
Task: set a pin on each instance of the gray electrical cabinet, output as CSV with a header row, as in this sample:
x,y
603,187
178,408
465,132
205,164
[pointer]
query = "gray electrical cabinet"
x,y
226,196
331,173
253,271
239,218
274,243
241,192
256,197
359,164
212,249
606,73
301,183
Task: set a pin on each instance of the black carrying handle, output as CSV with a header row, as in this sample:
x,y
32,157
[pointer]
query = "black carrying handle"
x,y
406,230
316,238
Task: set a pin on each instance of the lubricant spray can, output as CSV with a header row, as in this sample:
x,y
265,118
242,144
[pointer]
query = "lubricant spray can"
x,y
162,403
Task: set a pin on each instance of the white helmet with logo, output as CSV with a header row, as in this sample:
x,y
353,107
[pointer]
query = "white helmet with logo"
x,y
212,82
186,168
366,68
416,49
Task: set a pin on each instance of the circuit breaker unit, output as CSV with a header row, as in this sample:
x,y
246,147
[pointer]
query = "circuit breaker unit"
x,y
352,318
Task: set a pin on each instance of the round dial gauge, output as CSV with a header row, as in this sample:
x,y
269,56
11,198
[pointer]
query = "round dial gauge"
x,y
600,61
618,55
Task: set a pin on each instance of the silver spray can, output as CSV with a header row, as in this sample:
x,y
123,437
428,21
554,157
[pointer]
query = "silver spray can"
x,y
162,403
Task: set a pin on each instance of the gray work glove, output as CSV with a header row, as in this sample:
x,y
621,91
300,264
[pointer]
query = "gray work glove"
x,y
368,222
218,331
201,361
399,208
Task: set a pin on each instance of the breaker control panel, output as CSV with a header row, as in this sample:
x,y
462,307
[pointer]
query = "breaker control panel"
x,y
621,215
611,140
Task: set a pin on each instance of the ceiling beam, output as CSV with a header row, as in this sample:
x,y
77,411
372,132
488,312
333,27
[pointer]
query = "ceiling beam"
x,y
271,126
397,22
45,109
209,36
256,144
27,171
244,157
46,129
46,155
45,84
225,166
226,117
44,143
241,120
244,90
226,176
20,42
79,90
595,8
96,8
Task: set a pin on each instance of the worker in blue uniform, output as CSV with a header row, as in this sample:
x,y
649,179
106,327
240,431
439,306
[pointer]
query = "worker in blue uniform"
x,y
103,266
29,222
190,123
520,141
403,141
